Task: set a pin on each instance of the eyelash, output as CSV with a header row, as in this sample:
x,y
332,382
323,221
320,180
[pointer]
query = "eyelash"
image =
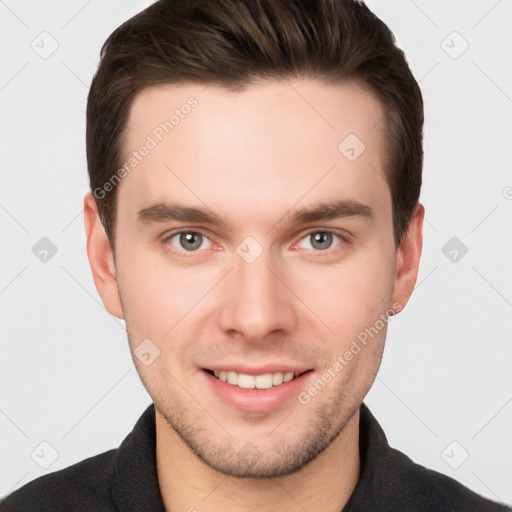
x,y
325,252
184,253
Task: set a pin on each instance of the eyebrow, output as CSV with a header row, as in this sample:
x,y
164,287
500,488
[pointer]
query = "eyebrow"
x,y
332,210
164,212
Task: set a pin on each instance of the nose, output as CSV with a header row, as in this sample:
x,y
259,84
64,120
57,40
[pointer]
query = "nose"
x,y
255,305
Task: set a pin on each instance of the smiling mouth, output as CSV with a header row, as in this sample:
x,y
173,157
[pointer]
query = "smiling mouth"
x,y
263,381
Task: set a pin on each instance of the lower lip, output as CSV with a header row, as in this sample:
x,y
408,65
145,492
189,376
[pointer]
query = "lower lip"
x,y
257,400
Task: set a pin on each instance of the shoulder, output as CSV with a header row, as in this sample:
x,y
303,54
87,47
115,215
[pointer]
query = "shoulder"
x,y
120,479
437,491
389,480
82,487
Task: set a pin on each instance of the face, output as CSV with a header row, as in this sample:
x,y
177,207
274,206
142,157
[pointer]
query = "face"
x,y
252,248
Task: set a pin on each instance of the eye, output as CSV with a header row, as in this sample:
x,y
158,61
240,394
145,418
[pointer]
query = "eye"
x,y
190,241
320,240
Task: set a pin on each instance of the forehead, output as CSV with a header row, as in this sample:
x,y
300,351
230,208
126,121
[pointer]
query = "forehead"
x,y
275,143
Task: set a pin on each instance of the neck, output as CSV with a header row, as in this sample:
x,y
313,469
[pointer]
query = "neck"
x,y
326,483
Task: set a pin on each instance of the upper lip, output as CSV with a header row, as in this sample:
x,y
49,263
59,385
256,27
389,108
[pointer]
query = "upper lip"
x,y
260,369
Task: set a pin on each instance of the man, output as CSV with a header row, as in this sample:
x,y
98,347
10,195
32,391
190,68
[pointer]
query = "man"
x,y
255,170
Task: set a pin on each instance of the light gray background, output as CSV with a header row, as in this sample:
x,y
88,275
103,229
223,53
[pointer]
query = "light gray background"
x,y
66,376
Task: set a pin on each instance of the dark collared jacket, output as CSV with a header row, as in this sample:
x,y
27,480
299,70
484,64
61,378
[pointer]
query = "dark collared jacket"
x,y
125,480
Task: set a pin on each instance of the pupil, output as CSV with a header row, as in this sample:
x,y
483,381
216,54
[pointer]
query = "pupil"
x,y
321,240
191,241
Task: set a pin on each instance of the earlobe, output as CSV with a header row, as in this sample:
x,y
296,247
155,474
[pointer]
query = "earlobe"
x,y
408,258
101,258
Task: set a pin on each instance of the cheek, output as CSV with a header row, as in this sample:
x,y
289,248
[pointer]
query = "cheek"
x,y
157,296
349,296
354,305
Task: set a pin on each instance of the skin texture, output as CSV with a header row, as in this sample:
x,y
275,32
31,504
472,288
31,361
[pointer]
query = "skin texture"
x,y
254,159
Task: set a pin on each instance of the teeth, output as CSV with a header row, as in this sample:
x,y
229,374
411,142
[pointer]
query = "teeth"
x,y
288,376
244,381
277,378
264,381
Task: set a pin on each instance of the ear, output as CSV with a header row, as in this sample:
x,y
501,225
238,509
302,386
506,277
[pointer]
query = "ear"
x,y
101,258
408,258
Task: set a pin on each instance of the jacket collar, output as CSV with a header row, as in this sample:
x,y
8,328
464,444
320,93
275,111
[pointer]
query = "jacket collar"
x,y
135,485
135,481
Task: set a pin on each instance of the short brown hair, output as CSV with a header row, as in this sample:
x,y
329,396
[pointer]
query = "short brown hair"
x,y
232,43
